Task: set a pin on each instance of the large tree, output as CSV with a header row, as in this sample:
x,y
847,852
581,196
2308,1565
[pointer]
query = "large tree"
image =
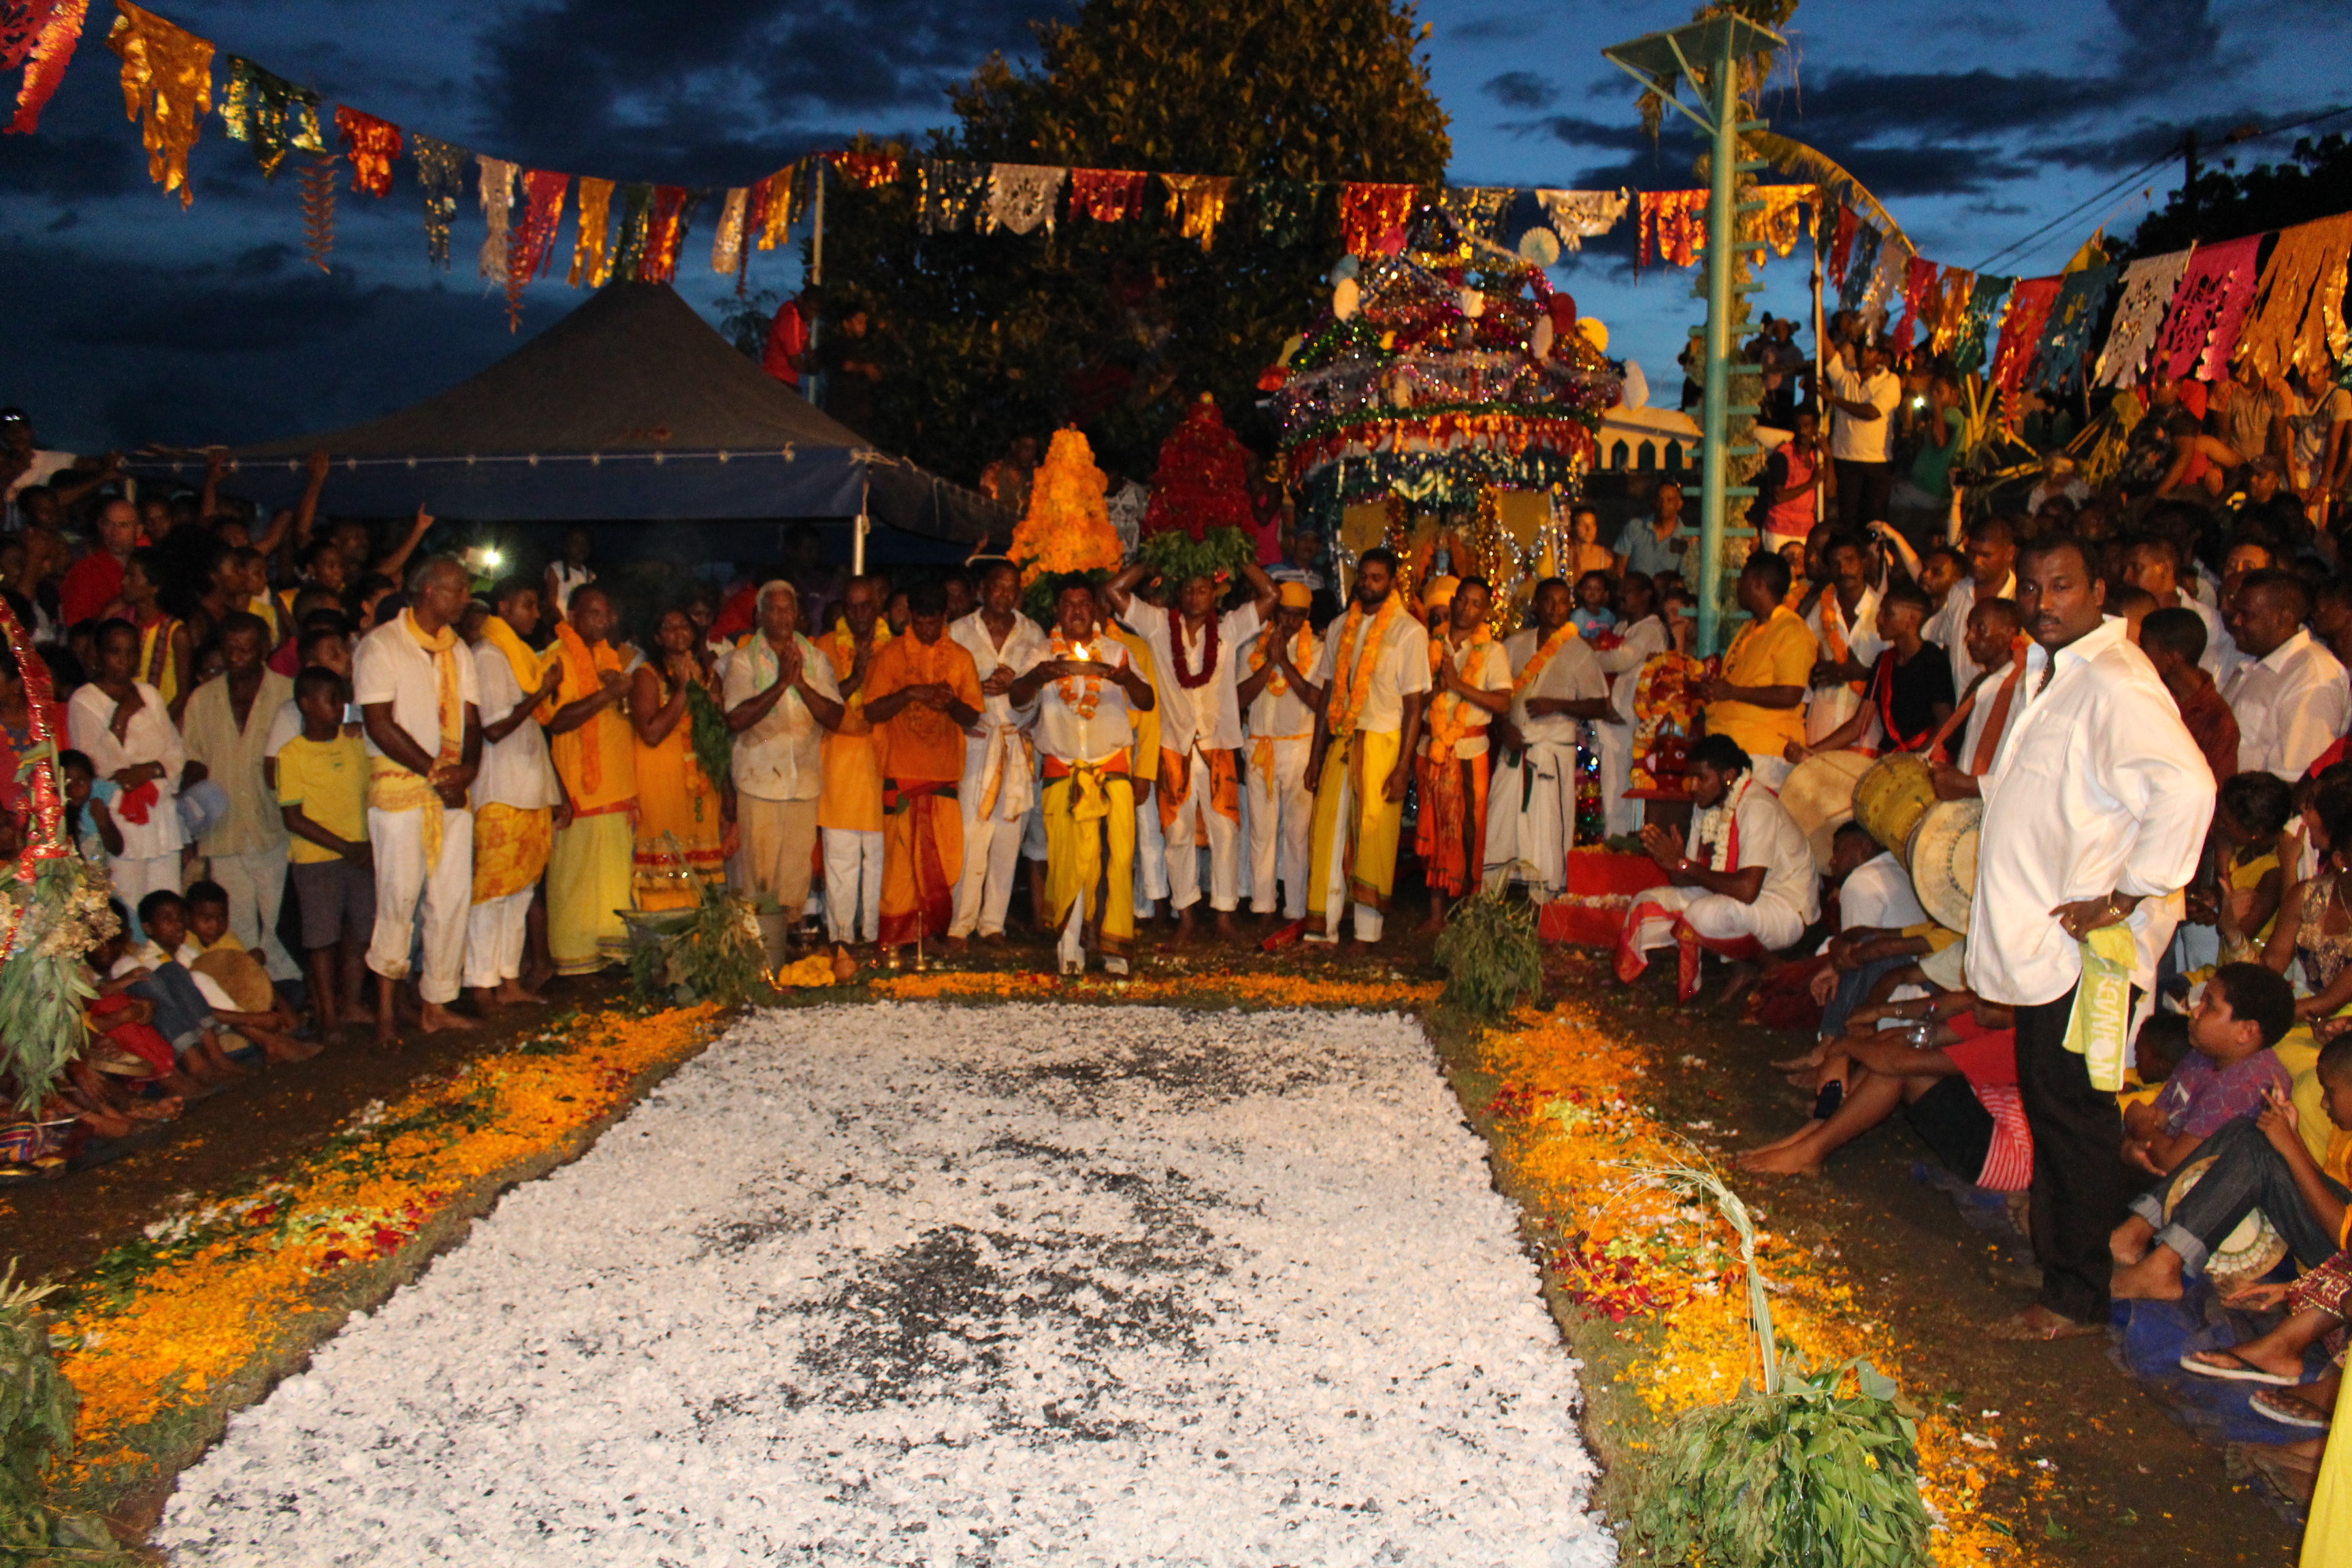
x,y
2316,182
1117,327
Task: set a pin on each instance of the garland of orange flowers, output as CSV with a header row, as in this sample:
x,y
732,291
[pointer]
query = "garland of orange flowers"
x,y
1082,695
1544,656
1302,654
1448,724
1358,652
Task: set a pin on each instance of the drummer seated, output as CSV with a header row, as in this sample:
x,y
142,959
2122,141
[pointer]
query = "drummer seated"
x,y
2228,1104
1742,885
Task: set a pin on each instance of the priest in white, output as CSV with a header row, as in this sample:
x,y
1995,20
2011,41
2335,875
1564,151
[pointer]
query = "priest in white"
x,y
1278,703
998,789
1556,684
1641,635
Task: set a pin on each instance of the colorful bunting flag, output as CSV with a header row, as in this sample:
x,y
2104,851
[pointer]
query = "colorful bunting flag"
x,y
441,173
2207,311
317,177
1020,196
1197,203
727,240
1780,224
2020,332
770,209
39,35
2298,317
1476,210
1579,216
1976,322
2066,341
372,144
167,87
532,246
1107,195
1842,242
1948,306
497,206
664,234
1286,209
951,195
591,256
636,218
272,113
1371,217
2148,285
869,171
1854,289
1918,283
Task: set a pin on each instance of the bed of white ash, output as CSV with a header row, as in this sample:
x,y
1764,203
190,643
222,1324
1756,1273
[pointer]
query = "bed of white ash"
x,y
934,1285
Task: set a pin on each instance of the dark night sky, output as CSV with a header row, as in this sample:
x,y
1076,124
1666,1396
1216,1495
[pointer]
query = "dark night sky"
x,y
1976,123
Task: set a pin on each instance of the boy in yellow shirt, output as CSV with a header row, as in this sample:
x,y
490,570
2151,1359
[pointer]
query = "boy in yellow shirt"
x,y
322,780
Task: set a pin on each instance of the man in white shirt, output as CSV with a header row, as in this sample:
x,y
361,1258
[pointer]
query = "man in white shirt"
x,y
1641,635
1086,692
1278,702
1991,706
228,726
125,729
516,797
2153,565
2290,698
2094,813
999,787
1375,674
1201,729
1742,885
1862,432
1556,685
414,683
1843,620
781,697
1470,687
1991,555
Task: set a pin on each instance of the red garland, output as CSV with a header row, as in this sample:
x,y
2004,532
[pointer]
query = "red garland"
x,y
1185,679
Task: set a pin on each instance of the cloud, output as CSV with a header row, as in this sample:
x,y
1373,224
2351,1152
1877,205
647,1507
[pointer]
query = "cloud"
x,y
1498,26
1522,89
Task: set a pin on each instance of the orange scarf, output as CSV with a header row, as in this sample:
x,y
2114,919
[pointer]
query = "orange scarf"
x,y
599,768
1357,654
1834,632
1544,655
1302,657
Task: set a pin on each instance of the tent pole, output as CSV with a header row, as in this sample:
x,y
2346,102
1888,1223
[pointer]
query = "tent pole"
x,y
816,227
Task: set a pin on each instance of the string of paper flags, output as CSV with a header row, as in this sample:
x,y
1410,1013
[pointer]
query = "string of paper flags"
x,y
2186,313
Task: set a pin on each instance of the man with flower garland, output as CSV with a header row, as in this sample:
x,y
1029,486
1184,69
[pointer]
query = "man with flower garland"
x,y
997,792
921,693
783,702
1470,685
1087,692
1556,684
1742,885
1278,700
1200,730
1375,674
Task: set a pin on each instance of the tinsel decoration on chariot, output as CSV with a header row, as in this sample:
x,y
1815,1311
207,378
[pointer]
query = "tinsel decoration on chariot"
x,y
1439,371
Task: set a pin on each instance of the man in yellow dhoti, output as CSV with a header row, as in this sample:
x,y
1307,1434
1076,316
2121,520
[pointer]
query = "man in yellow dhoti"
x,y
515,795
1375,673
922,692
415,685
590,869
1088,691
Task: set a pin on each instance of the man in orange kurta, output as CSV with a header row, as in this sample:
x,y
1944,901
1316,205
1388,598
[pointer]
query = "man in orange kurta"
x,y
849,811
922,691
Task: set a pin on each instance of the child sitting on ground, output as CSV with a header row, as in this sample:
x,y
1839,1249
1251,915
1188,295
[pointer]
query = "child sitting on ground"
x,y
322,780
2162,1041
163,915
232,979
2251,812
178,1010
2209,1109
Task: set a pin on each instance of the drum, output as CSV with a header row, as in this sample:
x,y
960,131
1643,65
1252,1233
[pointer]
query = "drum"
x,y
1890,798
1818,794
2248,1252
1942,859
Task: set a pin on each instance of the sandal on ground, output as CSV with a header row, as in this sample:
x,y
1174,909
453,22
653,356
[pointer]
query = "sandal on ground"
x,y
2289,1409
2027,1328
2228,1364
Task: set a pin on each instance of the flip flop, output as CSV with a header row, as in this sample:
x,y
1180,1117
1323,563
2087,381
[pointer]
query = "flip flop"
x,y
2237,1370
2291,1410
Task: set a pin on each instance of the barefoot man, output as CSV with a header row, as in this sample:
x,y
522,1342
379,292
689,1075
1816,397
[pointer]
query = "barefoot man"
x,y
515,795
416,695
1471,677
1375,676
2094,816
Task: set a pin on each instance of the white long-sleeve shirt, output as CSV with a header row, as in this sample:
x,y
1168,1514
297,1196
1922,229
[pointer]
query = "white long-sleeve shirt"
x,y
2097,788
2290,705
1949,628
148,737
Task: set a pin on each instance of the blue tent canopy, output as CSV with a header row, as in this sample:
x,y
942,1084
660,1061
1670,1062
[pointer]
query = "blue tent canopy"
x,y
630,408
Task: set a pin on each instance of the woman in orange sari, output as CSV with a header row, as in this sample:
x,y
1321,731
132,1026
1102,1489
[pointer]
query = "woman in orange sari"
x,y
683,820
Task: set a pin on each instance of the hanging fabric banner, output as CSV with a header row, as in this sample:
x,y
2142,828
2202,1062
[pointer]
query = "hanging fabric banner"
x,y
2020,331
39,35
1286,209
1579,216
1020,196
2298,314
1107,195
167,87
665,233
441,171
1197,203
869,171
727,240
1976,324
497,206
1476,210
1673,228
2207,311
772,206
1947,308
2148,284
1841,244
637,216
1918,283
589,252
1854,287
1887,279
951,195
2066,341
532,246
373,145
272,113
1781,225
1371,217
